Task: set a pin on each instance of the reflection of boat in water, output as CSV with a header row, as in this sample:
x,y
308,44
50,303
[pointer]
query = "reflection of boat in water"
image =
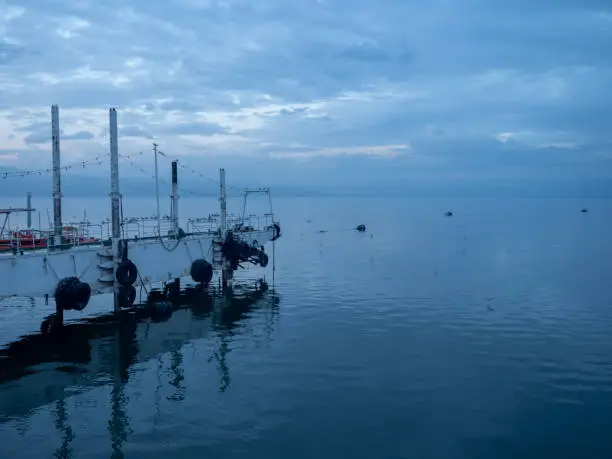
x,y
39,369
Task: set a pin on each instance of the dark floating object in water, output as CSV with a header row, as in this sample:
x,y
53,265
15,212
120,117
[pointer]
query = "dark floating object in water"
x,y
361,228
584,210
449,214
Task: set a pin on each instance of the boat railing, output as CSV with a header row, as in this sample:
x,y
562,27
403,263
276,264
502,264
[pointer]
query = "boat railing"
x,y
209,224
18,240
87,233
252,222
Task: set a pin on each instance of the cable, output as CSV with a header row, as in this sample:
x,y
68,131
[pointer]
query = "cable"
x,y
141,169
193,171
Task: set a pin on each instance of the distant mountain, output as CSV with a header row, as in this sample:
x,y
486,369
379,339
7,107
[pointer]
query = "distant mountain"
x,y
78,185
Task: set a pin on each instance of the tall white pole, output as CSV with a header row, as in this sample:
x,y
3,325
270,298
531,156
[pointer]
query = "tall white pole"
x,y
57,188
114,161
157,190
175,198
223,202
115,201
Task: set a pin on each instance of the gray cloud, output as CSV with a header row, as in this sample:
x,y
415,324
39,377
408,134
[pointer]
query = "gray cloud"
x,y
81,135
40,133
446,77
135,131
195,129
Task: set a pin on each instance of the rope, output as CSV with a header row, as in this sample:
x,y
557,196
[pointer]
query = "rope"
x,y
161,241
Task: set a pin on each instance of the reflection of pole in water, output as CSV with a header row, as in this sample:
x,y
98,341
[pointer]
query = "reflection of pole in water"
x,y
219,356
118,426
273,263
269,319
178,376
157,396
61,418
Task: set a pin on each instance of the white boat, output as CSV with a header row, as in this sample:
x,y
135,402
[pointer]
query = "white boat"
x,y
122,254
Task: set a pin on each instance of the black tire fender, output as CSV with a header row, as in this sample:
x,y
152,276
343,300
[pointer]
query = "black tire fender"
x,y
126,296
127,273
201,271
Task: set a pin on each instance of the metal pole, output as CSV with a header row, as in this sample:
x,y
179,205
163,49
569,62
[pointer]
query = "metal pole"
x,y
157,190
175,198
223,203
114,161
57,188
29,207
226,272
115,201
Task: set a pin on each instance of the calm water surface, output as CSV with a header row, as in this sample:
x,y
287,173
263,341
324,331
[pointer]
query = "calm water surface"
x,y
483,335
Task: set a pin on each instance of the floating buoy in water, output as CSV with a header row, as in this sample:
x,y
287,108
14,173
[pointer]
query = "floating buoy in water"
x,y
449,214
361,228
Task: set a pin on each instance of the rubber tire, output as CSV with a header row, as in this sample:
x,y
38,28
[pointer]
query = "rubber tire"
x,y
126,296
201,271
72,294
81,293
127,273
263,259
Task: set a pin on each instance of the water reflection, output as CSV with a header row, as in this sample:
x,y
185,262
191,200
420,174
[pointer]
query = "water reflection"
x,y
39,369
61,424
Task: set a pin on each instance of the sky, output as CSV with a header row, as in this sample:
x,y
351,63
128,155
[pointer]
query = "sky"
x,y
314,91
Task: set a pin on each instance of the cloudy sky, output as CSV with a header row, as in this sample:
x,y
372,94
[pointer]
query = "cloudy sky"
x,y
313,89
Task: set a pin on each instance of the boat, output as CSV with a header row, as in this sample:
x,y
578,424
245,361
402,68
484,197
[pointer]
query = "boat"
x,y
70,262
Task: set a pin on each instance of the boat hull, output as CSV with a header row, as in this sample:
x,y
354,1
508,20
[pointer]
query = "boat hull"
x,y
37,273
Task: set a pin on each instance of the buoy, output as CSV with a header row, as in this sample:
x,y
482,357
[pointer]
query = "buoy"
x,y
361,228
201,271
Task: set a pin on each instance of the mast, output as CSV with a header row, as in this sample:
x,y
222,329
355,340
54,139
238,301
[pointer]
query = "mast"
x,y
57,188
115,202
175,198
114,161
157,190
223,202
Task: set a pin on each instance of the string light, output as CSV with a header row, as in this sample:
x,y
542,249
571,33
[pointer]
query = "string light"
x,y
80,164
98,160
183,167
141,169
